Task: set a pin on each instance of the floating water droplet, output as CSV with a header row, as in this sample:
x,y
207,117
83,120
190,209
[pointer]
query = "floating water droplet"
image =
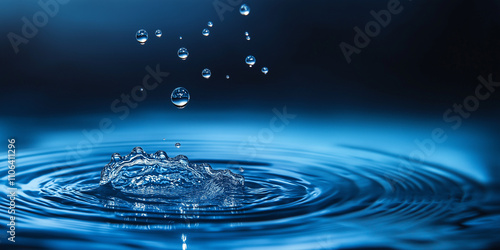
x,y
244,10
205,32
246,33
177,145
142,89
180,97
206,73
227,76
183,53
210,24
180,38
250,60
248,38
141,36
265,70
158,33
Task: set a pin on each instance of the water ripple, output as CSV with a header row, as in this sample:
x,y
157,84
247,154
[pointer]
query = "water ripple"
x,y
351,197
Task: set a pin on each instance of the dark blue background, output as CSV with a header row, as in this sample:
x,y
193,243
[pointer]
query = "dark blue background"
x,y
427,58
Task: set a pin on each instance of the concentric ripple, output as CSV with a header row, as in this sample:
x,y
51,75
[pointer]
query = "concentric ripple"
x,y
349,197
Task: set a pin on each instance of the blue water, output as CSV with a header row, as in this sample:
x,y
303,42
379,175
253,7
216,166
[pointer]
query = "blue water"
x,y
344,197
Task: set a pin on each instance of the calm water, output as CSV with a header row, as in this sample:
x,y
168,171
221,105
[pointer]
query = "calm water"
x,y
293,198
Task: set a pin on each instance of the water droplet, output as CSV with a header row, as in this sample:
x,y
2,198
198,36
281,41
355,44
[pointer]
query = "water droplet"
x,y
137,150
265,70
161,155
244,10
242,170
210,24
227,76
205,32
141,36
180,97
246,33
177,145
142,89
180,38
163,138
116,157
183,53
158,33
250,60
206,73
248,38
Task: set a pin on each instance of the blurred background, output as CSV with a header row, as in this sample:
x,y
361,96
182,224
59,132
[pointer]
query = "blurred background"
x,y
59,84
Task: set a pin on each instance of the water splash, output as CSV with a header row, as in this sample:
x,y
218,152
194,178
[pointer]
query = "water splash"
x,y
157,174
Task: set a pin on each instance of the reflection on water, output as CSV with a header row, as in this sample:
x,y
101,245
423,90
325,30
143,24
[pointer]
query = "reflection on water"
x,y
309,200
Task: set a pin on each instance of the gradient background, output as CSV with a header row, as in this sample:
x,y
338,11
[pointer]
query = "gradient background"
x,y
394,92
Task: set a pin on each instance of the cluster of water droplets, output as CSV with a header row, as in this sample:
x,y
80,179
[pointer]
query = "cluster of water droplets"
x,y
180,96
